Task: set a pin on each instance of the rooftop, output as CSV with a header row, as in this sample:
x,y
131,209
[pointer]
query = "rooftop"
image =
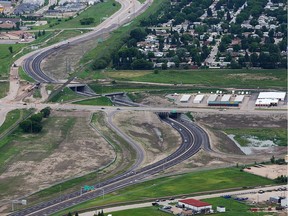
x,y
195,202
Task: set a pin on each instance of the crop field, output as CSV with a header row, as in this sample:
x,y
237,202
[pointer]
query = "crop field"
x,y
169,186
277,135
223,77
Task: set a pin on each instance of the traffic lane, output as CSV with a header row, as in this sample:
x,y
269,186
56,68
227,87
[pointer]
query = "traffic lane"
x,y
125,182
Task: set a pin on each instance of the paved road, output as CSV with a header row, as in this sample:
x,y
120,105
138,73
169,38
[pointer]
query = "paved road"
x,y
192,142
129,9
138,148
148,204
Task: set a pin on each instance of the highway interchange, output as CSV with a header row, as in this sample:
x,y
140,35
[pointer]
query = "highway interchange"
x,y
194,138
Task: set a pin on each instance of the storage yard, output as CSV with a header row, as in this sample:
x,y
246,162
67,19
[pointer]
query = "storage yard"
x,y
241,100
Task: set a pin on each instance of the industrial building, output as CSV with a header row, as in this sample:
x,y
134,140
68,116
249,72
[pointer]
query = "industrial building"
x,y
239,98
185,98
226,98
198,99
195,205
272,95
270,98
266,102
212,98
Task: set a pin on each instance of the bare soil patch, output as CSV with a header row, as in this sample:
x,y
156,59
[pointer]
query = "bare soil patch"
x,y
222,121
67,148
67,59
157,138
268,171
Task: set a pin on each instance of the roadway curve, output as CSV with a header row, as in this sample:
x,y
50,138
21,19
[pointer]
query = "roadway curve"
x,y
193,139
138,149
129,8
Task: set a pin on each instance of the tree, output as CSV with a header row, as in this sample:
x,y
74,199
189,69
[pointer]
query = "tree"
x,y
99,64
254,59
39,33
139,34
76,214
209,12
36,127
10,48
36,117
228,17
87,21
69,214
46,112
141,64
26,125
164,66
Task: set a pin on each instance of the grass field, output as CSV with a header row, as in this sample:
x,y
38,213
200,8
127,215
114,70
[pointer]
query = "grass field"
x,y
65,95
122,163
97,12
200,181
24,76
4,88
222,78
277,135
149,211
11,118
6,151
100,101
6,57
64,35
127,87
233,207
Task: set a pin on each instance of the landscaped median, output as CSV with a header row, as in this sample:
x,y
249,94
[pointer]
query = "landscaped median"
x,y
195,183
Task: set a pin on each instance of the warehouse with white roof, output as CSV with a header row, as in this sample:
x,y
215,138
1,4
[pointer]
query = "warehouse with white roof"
x,y
185,98
198,99
212,98
270,98
226,97
272,95
239,98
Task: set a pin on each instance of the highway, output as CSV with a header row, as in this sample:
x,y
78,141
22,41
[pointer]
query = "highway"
x,y
139,150
192,142
32,62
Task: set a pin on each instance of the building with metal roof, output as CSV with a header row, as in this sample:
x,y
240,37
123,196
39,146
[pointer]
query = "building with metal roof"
x,y
195,205
212,98
185,98
272,95
198,99
266,102
239,98
226,97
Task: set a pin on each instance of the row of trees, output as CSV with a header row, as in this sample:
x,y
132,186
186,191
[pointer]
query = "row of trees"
x,y
34,123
